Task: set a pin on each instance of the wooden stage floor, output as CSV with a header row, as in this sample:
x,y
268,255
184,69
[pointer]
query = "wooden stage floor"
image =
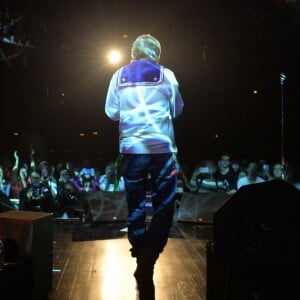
x,y
92,262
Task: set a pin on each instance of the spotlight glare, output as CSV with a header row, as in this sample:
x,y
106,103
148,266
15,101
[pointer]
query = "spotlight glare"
x,y
114,57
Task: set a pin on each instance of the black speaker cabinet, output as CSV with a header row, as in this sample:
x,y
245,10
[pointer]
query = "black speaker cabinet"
x,y
228,281
31,234
259,226
255,250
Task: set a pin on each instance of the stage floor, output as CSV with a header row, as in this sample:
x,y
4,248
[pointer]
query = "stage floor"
x,y
93,262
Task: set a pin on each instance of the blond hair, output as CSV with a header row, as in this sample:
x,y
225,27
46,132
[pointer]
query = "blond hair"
x,y
146,47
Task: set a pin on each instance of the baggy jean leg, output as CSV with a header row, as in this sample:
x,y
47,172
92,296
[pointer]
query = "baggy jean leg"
x,y
135,169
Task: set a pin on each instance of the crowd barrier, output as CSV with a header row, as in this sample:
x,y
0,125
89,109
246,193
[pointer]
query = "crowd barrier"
x,y
192,207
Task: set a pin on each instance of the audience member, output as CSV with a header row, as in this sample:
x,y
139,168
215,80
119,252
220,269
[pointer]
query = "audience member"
x,y
203,177
252,176
5,184
226,175
67,203
277,171
89,184
47,177
236,167
109,182
88,172
16,182
87,181
36,196
77,180
264,170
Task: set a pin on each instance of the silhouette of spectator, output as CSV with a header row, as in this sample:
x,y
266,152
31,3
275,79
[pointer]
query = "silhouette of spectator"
x,y
5,184
107,181
67,203
19,178
36,196
226,174
203,177
47,177
277,171
252,176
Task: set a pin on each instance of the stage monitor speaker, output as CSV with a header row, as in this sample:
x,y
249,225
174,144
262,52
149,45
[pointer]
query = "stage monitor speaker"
x,y
32,235
200,207
107,206
259,226
238,282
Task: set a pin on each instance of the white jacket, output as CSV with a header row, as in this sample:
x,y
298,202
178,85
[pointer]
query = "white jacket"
x,y
144,97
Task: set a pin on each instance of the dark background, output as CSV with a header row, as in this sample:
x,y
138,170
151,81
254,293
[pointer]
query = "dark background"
x,y
220,52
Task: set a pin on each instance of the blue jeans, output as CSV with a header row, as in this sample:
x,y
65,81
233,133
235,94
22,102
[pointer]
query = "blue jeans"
x,y
137,170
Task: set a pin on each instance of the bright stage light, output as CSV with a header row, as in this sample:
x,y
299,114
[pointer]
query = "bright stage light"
x,y
114,57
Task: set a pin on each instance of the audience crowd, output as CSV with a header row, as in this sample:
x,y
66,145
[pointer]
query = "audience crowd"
x,y
38,185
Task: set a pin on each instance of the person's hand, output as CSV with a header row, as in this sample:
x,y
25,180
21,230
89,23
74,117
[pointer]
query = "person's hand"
x,y
16,156
16,164
29,194
32,162
23,173
231,192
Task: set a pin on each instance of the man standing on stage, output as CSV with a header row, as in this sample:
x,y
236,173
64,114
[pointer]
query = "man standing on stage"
x,y
144,97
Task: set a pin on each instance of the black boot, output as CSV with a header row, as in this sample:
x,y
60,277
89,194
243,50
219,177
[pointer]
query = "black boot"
x,y
144,276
